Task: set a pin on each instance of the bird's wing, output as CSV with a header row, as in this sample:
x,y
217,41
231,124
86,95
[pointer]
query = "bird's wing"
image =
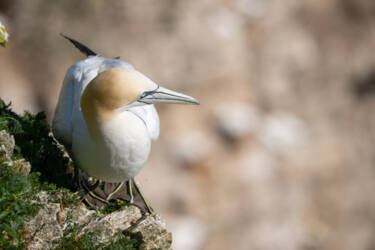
x,y
61,125
68,110
149,116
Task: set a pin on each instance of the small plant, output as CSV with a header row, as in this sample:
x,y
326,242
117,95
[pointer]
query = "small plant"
x,y
121,241
16,192
114,205
73,239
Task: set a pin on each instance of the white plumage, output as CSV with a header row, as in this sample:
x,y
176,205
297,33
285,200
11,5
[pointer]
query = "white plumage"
x,y
105,116
126,146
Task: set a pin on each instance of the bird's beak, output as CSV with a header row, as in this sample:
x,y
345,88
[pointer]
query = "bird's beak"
x,y
163,95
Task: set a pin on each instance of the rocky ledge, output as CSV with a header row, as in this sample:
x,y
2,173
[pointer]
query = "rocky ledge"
x,y
61,225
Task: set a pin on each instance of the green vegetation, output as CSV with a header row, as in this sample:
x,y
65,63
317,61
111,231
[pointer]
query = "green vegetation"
x,y
34,143
122,241
114,205
48,172
16,191
89,240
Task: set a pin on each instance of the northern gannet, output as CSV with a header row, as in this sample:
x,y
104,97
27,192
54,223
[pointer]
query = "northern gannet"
x,y
106,118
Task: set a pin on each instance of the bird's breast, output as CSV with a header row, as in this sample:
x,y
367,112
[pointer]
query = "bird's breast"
x,y
118,152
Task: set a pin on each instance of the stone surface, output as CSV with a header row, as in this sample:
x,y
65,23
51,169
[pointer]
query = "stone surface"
x,y
21,165
190,148
236,120
154,233
189,233
108,225
45,230
282,132
7,144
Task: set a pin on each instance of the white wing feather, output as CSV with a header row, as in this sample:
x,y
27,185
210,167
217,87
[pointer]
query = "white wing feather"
x,y
150,118
61,125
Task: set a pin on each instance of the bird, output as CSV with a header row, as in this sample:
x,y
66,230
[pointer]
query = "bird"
x,y
106,118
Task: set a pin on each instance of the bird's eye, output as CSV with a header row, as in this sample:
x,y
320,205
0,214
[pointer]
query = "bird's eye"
x,y
146,93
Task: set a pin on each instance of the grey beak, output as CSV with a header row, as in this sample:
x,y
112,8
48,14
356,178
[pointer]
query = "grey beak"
x,y
163,95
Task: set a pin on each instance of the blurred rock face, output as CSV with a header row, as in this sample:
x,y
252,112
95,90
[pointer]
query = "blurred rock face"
x,y
237,120
279,153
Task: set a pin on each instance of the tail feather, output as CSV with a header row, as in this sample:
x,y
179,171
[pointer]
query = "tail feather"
x,y
80,46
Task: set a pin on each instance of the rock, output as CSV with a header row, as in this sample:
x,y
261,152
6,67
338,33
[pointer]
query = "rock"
x,y
154,234
53,222
236,120
190,148
225,23
282,132
21,166
189,233
109,224
7,144
43,230
252,8
257,165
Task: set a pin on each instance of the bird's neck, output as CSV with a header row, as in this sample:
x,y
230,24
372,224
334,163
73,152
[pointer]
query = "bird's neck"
x,y
95,116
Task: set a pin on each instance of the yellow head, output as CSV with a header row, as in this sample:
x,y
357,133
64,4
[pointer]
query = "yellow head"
x,y
117,89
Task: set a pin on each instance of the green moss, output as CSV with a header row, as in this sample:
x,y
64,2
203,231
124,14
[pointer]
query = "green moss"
x,y
48,172
16,192
36,145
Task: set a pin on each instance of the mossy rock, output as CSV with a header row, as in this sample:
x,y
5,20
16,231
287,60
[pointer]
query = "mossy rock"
x,y
40,207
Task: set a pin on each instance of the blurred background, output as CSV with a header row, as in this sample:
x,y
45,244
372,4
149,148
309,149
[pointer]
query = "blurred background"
x,y
280,153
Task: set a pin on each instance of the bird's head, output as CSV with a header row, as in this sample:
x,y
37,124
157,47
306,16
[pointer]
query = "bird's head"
x,y
118,89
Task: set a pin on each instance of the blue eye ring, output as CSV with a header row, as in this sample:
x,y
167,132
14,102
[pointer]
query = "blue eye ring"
x,y
146,93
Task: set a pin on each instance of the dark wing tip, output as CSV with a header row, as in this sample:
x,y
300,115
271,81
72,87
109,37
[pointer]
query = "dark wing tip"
x,y
80,46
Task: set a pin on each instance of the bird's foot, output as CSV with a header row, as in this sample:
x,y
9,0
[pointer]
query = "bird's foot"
x,y
99,194
115,191
147,207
